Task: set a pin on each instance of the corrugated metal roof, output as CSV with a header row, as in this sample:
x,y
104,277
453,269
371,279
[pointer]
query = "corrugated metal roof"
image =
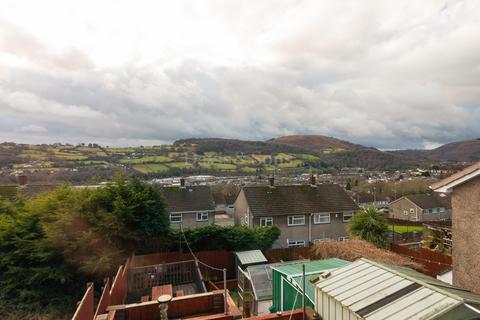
x,y
250,257
316,266
378,291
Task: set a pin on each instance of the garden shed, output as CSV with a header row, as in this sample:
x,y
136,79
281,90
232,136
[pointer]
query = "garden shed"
x,y
287,282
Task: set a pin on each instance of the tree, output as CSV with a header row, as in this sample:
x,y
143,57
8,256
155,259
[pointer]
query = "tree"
x,y
95,229
33,276
348,186
369,225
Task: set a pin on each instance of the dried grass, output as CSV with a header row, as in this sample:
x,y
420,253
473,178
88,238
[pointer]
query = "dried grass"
x,y
355,249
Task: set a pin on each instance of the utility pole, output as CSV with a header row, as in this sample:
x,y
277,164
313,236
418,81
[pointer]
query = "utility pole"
x,y
225,309
304,297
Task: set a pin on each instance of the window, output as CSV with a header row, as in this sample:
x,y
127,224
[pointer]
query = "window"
x,y
436,210
266,221
245,219
202,216
412,210
320,218
426,211
347,216
320,240
176,218
442,209
296,243
405,212
296,220
343,238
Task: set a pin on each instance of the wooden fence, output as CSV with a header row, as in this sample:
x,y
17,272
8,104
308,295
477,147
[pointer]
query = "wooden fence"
x,y
434,263
142,279
85,307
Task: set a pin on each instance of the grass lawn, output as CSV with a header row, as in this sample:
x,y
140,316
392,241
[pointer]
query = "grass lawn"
x,y
180,165
218,166
403,229
249,169
149,168
308,157
150,159
291,164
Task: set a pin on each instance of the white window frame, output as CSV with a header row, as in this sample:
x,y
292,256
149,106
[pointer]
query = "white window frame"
x,y
315,241
436,210
412,210
266,221
345,238
293,218
320,216
442,209
350,214
176,215
295,243
245,220
201,216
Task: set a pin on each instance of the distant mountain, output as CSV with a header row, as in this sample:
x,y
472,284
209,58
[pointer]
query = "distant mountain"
x,y
315,142
328,151
461,151
235,146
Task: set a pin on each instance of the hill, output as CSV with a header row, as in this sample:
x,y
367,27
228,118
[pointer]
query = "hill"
x,y
460,151
315,142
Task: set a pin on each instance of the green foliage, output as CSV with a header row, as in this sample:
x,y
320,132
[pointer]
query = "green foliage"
x,y
235,238
32,274
369,225
95,228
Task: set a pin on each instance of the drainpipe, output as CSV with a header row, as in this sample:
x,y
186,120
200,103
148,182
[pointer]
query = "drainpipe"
x,y
310,228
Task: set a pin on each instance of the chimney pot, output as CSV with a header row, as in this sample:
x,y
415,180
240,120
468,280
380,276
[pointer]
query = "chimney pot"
x,y
271,180
22,180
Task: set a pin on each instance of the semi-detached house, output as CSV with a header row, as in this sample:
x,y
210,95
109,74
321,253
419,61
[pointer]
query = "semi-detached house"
x,y
189,206
304,213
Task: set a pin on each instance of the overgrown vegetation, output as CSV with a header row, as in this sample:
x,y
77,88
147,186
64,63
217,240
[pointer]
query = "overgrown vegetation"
x,y
52,245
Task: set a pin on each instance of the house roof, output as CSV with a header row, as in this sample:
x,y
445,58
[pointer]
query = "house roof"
x,y
316,266
456,179
378,291
298,199
190,198
312,268
433,200
250,257
368,197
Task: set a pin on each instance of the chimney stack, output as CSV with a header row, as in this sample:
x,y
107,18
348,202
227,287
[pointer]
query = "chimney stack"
x,y
22,180
313,181
182,182
271,181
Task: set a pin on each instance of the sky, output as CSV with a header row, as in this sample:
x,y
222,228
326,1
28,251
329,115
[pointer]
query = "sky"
x,y
386,74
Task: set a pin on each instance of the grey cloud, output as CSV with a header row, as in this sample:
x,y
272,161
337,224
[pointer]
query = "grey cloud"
x,y
381,76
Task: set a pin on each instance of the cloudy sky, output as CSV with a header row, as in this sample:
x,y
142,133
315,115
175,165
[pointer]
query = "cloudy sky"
x,y
388,74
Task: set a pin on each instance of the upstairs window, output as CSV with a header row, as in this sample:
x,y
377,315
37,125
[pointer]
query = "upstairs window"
x,y
347,216
266,221
321,218
202,216
296,220
176,218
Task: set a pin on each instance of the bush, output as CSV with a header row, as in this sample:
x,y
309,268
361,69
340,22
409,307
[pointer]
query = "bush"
x,y
236,238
